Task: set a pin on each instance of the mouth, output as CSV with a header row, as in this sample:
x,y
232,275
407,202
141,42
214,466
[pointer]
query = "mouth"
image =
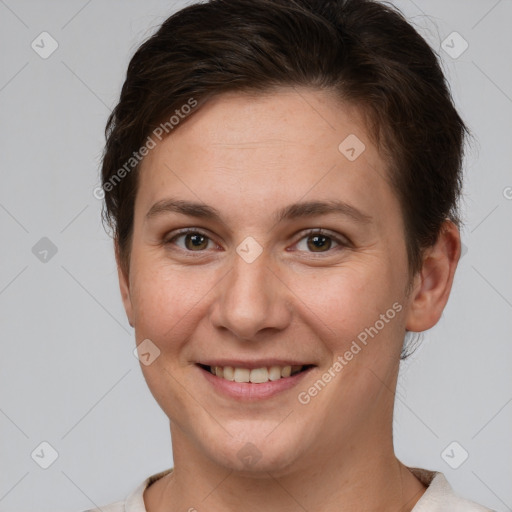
x,y
255,375
260,380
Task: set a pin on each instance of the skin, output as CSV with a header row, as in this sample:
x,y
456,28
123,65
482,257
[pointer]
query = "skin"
x,y
248,156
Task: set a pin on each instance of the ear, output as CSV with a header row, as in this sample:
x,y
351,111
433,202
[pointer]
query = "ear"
x,y
432,285
124,286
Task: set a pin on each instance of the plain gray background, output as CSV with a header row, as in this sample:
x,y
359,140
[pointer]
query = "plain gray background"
x,y
68,374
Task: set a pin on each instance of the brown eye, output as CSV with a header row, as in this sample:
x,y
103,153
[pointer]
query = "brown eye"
x,y
193,241
318,241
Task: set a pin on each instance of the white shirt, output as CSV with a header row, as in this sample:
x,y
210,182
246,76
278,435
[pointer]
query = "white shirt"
x,y
439,496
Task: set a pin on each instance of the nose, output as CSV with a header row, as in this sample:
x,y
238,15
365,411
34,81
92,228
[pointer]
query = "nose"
x,y
251,299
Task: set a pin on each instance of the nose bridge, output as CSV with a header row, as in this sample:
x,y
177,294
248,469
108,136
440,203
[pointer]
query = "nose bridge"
x,y
251,298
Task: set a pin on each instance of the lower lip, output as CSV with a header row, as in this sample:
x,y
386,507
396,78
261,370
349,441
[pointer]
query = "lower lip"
x,y
251,391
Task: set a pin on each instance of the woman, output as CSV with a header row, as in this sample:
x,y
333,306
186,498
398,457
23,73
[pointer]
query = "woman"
x,y
282,181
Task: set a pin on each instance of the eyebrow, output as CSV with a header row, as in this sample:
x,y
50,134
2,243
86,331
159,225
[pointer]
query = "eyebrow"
x,y
293,211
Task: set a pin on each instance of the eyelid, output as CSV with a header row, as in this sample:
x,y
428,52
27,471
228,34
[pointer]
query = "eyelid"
x,y
341,240
185,231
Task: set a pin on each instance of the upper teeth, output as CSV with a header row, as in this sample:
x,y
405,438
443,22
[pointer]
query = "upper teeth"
x,y
256,375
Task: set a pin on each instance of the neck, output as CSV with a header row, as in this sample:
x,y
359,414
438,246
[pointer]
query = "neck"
x,y
354,477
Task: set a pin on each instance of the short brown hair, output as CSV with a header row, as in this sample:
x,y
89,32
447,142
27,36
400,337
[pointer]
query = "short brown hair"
x,y
364,51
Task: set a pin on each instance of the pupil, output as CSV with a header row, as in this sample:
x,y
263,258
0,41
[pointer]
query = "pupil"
x,y
197,239
319,238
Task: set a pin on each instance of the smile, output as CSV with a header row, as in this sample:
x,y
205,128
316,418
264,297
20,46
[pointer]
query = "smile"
x,y
255,375
260,381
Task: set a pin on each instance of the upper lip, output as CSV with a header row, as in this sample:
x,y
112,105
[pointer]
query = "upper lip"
x,y
260,363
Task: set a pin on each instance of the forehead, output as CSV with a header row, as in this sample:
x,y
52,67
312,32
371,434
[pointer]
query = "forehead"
x,y
285,143
280,117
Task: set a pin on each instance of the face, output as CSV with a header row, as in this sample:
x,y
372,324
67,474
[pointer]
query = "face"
x,y
267,242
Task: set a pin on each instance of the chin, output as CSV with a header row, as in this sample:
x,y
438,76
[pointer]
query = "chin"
x,y
259,454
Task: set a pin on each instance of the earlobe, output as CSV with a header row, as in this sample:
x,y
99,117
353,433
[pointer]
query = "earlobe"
x,y
433,284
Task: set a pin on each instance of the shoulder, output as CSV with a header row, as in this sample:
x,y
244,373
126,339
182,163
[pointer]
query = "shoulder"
x,y
440,497
135,501
118,506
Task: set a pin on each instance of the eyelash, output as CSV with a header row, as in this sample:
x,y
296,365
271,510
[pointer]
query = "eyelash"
x,y
317,231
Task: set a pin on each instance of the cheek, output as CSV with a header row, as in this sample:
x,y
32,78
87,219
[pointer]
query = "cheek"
x,y
350,299
166,301
167,305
